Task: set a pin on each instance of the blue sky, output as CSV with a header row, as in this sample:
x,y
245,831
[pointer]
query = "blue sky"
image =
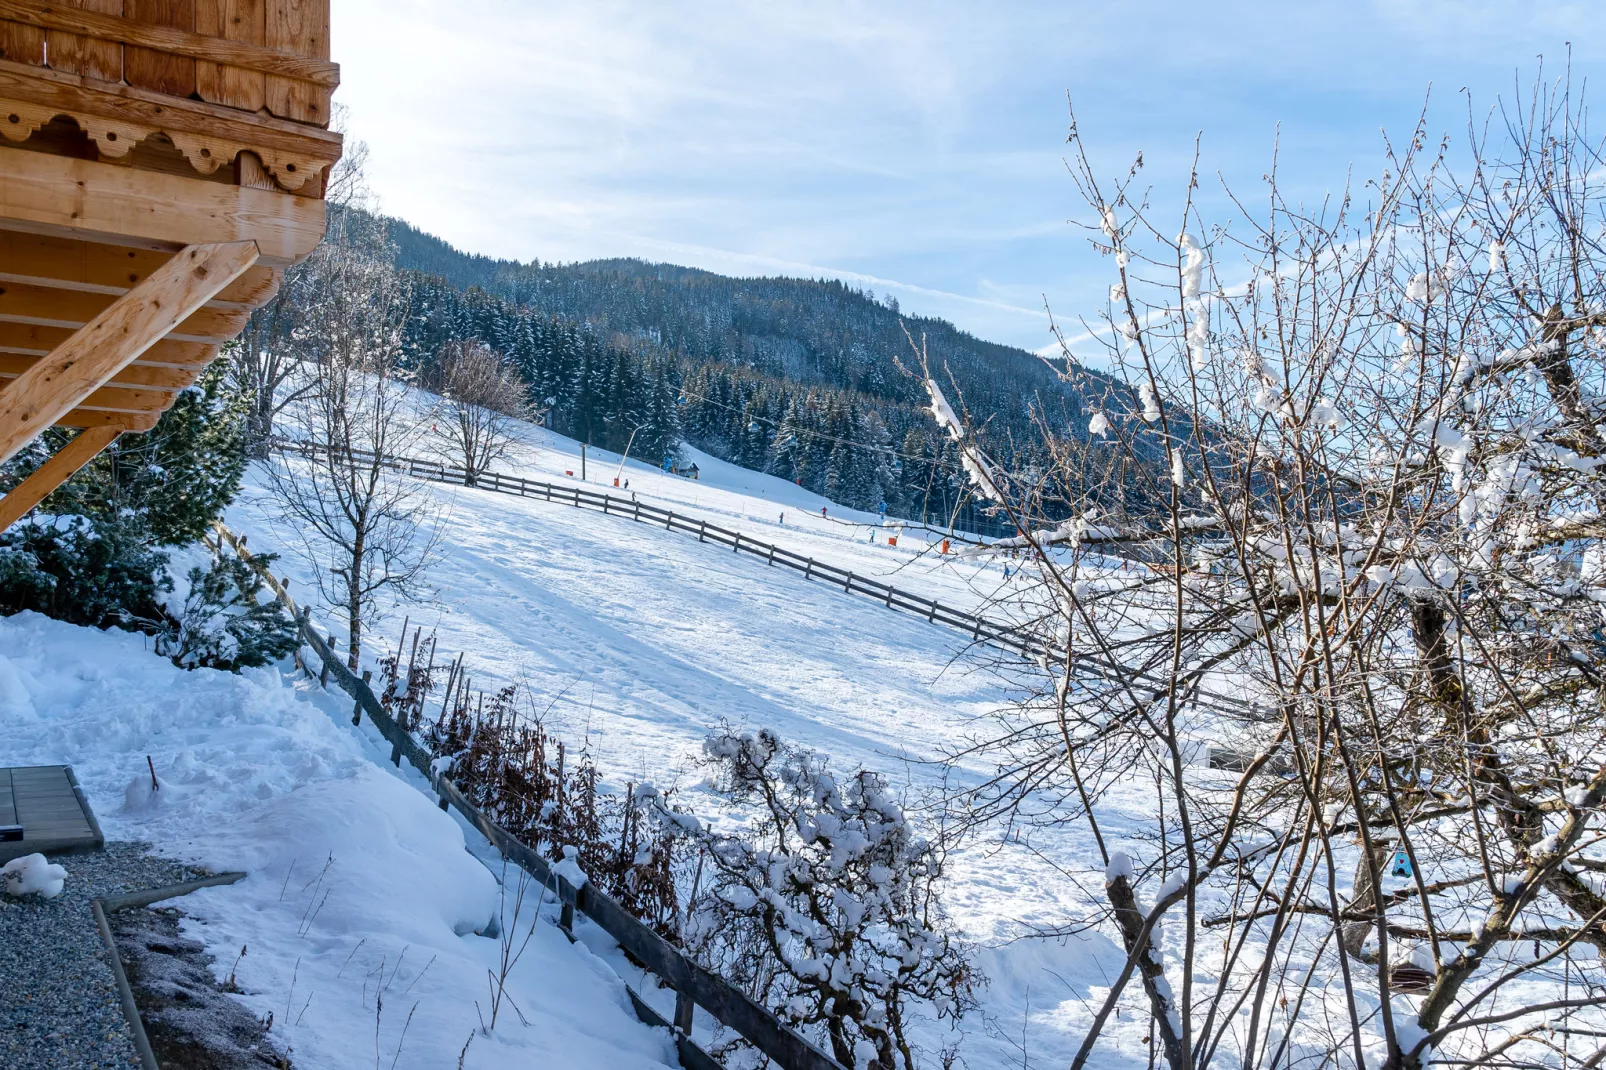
x,y
915,149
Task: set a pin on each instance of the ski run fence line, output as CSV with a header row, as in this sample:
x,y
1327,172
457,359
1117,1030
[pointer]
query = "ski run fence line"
x,y
693,985
1144,686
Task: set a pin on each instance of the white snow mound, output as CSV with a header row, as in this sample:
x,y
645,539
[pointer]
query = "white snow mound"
x,y
33,874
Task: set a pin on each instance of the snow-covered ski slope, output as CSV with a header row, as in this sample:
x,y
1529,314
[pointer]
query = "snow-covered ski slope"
x,y
643,641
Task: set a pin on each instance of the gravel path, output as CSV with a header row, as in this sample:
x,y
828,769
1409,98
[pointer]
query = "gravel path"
x,y
59,1008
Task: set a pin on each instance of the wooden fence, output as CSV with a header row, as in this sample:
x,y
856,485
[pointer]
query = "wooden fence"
x,y
981,630
693,985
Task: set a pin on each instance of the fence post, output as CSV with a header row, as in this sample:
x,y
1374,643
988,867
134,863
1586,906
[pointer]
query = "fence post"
x,y
847,584
701,530
808,573
323,675
736,547
685,1007
771,560
356,707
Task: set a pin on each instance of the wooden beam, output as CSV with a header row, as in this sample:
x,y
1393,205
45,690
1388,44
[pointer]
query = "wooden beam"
x,y
124,421
96,201
54,472
175,41
51,307
118,398
136,374
40,260
112,340
31,340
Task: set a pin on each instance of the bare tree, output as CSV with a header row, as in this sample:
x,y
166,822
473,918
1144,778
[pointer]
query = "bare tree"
x,y
366,527
1321,689
264,359
481,398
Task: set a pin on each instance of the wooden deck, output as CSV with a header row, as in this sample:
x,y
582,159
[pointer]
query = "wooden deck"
x,y
51,808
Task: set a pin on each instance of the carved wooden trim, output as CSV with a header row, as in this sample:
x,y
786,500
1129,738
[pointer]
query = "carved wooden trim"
x,y
178,42
116,137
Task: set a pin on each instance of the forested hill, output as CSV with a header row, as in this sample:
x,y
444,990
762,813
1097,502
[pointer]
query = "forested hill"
x,y
797,377
807,330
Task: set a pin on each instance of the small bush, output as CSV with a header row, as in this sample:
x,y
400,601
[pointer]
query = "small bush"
x,y
824,906
99,572
223,622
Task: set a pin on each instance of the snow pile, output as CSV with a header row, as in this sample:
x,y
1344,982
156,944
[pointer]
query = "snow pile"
x,y
32,874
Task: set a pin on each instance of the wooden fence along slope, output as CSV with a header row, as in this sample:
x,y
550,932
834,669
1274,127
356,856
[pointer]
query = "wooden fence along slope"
x,y
693,985
981,630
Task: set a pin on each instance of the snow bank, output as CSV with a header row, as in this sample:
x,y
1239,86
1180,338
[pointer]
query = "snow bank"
x,y
359,918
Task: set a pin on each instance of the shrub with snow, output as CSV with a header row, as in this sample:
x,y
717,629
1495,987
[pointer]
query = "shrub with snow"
x,y
223,622
825,906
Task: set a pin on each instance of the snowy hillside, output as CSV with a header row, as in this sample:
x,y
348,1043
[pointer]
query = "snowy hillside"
x,y
645,641
358,885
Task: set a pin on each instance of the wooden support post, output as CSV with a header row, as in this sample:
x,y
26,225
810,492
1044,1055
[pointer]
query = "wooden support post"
x,y
323,676
684,1009
107,344
54,472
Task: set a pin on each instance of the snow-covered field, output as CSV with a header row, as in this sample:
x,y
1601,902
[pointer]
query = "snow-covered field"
x,y
647,640
643,641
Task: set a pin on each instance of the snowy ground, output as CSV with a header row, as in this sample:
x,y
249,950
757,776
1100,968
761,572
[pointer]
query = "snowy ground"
x,y
647,640
361,906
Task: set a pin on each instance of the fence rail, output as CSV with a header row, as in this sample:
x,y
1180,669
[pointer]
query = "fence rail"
x,y
694,986
980,629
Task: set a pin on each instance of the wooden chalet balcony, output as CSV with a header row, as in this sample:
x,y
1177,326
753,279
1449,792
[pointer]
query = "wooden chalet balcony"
x,y
162,162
